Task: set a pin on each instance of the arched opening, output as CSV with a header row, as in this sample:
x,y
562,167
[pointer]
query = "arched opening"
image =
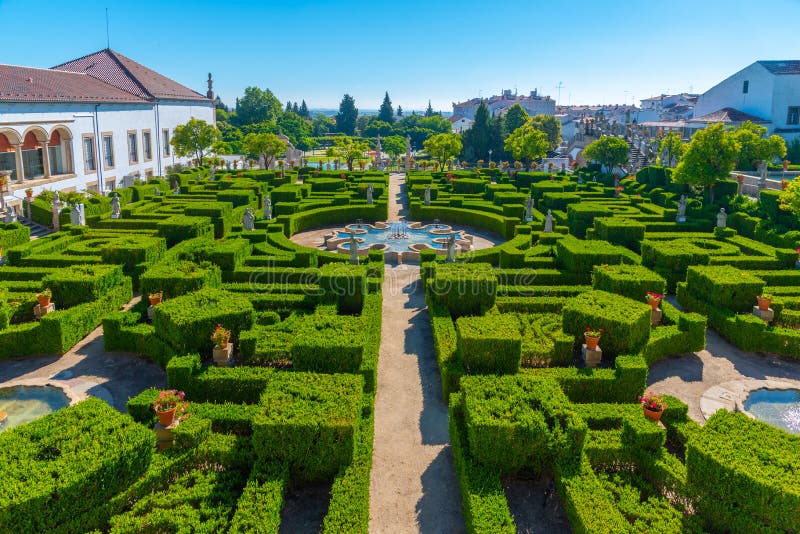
x,y
59,149
32,153
8,158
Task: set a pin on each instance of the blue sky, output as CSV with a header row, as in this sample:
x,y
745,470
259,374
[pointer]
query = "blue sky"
x,y
602,51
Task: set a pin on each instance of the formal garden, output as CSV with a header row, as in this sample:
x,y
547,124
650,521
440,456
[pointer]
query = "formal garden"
x,y
271,348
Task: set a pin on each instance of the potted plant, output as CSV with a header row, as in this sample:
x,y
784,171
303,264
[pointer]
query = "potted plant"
x,y
222,346
156,298
29,193
167,403
343,176
592,337
653,406
764,301
44,297
654,299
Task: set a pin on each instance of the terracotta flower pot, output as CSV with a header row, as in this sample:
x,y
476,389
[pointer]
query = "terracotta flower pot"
x,y
763,304
653,415
44,300
654,303
591,341
166,417
154,301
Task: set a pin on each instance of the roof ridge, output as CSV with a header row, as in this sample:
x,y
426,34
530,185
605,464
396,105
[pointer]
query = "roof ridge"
x,y
113,54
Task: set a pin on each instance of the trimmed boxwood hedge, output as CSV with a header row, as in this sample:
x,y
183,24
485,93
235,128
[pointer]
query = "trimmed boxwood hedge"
x,y
489,344
632,281
465,289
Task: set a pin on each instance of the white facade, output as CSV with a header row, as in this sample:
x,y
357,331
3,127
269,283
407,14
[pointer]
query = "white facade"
x,y
460,124
763,89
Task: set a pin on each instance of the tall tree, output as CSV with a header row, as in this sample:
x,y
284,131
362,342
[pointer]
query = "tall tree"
x,y
264,145
672,147
347,116
304,110
288,107
710,157
194,138
755,147
527,143
515,117
551,127
608,151
429,112
257,106
476,139
443,146
399,111
386,113
295,108
394,144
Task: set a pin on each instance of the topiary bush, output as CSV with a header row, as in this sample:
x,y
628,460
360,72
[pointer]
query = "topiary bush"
x,y
465,289
632,281
725,286
490,344
178,278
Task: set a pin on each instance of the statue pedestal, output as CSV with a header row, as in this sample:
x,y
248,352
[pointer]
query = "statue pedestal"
x,y
655,316
591,357
681,219
165,437
765,315
115,216
222,357
151,311
41,311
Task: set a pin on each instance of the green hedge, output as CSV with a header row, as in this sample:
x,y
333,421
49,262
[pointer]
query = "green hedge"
x,y
465,289
310,421
329,344
620,231
67,464
489,344
632,281
725,286
178,278
79,284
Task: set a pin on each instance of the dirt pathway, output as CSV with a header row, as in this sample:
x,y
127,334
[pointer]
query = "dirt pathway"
x,y
413,483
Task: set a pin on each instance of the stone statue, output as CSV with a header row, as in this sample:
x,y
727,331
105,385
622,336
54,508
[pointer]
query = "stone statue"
x,y
211,173
73,215
664,157
451,247
408,154
248,221
81,214
177,190
115,211
56,210
548,222
11,215
156,192
529,210
428,195
722,218
681,209
267,208
369,194
353,249
378,150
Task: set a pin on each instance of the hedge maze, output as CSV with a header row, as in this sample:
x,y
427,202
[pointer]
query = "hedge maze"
x,y
508,325
296,406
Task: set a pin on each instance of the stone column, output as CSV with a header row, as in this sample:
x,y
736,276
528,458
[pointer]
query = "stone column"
x,y
18,158
46,160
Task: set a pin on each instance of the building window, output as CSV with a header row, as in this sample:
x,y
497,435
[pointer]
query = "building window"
x,y
111,184
108,150
745,86
165,135
147,147
89,162
133,151
793,117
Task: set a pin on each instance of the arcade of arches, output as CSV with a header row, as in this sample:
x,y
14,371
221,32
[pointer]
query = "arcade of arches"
x,y
35,153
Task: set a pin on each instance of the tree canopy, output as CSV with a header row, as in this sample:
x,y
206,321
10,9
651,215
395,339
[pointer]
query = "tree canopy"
x,y
264,145
516,117
386,113
527,143
394,144
551,127
608,151
257,105
194,138
348,149
443,146
710,157
755,147
347,116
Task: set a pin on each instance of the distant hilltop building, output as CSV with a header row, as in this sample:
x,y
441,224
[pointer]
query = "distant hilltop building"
x,y
534,104
96,122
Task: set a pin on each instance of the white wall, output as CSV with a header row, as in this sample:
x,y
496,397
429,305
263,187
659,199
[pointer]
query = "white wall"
x,y
787,93
728,93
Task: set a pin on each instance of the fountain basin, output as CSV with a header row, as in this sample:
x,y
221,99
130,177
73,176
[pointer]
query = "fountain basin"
x,y
397,237
777,407
22,404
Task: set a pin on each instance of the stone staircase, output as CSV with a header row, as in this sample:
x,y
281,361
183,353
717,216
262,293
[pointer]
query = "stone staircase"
x,y
37,230
636,159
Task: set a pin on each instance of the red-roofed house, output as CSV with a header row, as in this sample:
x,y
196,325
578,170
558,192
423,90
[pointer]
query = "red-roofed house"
x,y
91,123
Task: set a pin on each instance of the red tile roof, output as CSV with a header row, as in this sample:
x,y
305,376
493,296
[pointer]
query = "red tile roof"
x,y
728,115
27,84
128,75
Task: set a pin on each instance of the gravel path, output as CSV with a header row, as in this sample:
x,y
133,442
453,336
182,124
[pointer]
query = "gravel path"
x,y
413,486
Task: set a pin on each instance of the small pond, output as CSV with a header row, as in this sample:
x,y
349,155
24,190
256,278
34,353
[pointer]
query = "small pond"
x,y
778,407
21,404
399,236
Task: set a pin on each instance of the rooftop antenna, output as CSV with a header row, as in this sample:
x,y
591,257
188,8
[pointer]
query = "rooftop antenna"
x,y
108,35
559,86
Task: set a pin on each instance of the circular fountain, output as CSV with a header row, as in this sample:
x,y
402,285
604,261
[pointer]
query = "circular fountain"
x,y
22,404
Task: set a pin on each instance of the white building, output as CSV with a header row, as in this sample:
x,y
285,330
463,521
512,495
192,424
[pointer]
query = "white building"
x,y
766,90
534,104
460,124
91,123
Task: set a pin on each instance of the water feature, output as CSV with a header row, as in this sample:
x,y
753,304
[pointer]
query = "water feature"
x,y
399,235
778,407
22,404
